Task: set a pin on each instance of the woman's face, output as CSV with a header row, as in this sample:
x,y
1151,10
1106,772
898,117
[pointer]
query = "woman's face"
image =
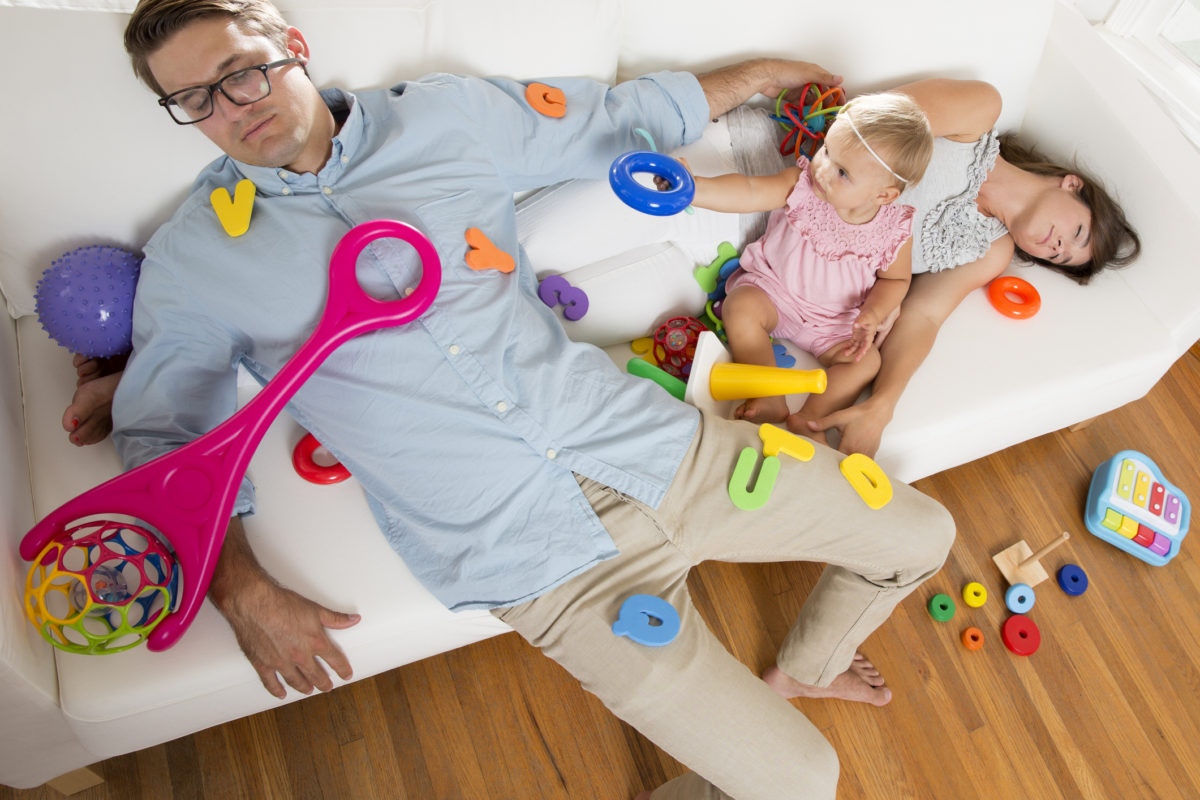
x,y
1056,225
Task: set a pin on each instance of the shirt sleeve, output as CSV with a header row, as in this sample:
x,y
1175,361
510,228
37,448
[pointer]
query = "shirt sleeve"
x,y
181,380
533,150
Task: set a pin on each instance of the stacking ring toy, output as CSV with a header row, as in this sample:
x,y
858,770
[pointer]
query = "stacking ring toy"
x,y
972,639
941,607
307,467
1014,297
1019,598
1021,635
648,199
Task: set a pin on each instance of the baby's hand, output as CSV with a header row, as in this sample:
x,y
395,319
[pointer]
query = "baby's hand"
x,y
664,185
862,335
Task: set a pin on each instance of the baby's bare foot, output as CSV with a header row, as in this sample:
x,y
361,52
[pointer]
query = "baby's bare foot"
x,y
763,409
861,683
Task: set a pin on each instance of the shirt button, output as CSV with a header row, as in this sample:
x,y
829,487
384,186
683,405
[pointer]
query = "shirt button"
x,y
327,190
345,159
286,191
502,406
455,349
283,174
551,454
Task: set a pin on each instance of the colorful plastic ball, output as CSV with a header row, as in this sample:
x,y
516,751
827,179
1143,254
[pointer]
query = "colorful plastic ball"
x,y
1072,579
941,607
1019,598
100,587
675,345
85,300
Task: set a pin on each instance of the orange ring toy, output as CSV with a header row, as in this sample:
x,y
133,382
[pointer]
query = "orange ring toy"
x,y
310,470
1014,297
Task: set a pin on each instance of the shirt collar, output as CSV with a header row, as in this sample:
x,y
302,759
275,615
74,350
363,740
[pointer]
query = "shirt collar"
x,y
276,180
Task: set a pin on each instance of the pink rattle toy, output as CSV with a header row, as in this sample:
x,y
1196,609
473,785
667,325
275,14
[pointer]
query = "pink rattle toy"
x,y
190,492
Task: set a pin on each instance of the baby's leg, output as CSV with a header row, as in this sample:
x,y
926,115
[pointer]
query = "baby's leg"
x,y
845,381
749,316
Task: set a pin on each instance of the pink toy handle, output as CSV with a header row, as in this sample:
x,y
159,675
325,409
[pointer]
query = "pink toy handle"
x,y
190,491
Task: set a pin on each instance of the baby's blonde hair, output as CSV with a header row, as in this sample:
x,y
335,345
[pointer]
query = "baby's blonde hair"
x,y
896,129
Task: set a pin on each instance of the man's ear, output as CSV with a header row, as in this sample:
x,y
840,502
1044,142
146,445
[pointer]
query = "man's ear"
x,y
1072,183
297,47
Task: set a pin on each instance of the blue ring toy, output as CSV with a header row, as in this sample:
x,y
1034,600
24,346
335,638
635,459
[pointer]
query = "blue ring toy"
x,y
647,199
1072,579
1019,598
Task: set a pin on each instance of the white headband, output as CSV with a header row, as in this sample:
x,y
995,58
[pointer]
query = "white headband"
x,y
863,141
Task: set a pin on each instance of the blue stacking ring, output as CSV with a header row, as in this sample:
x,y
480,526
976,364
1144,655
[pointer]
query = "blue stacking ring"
x,y
1072,580
648,199
1019,598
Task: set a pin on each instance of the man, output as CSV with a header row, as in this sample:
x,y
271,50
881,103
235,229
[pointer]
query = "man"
x,y
511,468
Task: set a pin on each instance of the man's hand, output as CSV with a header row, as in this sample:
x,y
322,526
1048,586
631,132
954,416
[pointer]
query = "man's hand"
x,y
729,87
284,635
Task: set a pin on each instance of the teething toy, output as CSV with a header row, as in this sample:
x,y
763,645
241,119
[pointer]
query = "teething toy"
x,y
307,467
1014,297
234,212
648,199
187,495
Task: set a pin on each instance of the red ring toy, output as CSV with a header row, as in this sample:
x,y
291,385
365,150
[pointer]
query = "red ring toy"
x,y
1004,289
310,470
1021,635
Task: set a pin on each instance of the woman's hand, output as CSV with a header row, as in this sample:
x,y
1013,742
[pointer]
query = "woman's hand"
x,y
861,426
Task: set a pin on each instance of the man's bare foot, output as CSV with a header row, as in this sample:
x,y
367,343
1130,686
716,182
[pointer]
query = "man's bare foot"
x,y
88,419
862,683
763,409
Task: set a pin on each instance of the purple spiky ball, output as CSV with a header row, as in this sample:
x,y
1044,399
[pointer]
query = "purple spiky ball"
x,y
85,300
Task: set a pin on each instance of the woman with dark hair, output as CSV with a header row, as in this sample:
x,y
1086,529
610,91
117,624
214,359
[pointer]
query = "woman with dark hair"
x,y
983,199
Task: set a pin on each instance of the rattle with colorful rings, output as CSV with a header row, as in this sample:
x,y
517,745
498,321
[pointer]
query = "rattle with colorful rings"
x,y
1014,297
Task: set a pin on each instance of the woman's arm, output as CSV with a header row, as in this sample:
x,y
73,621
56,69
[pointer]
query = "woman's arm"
x,y
931,299
959,110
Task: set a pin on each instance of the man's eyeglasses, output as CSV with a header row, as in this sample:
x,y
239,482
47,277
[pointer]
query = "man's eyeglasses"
x,y
195,103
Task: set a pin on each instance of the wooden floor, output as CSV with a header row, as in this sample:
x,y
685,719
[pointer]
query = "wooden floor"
x,y
1109,707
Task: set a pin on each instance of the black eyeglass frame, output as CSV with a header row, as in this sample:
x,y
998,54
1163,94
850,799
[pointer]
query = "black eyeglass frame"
x,y
213,88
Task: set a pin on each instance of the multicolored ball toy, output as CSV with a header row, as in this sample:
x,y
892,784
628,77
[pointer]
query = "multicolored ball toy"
x,y
807,121
85,300
674,344
100,588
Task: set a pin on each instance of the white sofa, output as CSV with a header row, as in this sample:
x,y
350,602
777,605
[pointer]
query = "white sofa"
x,y
89,159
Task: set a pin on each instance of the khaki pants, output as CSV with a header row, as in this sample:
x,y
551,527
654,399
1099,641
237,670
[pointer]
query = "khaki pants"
x,y
691,697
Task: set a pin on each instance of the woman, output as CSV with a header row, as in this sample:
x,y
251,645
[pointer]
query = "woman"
x,y
976,207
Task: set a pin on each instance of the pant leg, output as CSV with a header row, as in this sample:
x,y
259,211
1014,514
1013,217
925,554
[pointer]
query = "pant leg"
x,y
875,558
690,697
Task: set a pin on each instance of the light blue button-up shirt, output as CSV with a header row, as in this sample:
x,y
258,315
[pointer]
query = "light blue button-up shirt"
x,y
465,427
